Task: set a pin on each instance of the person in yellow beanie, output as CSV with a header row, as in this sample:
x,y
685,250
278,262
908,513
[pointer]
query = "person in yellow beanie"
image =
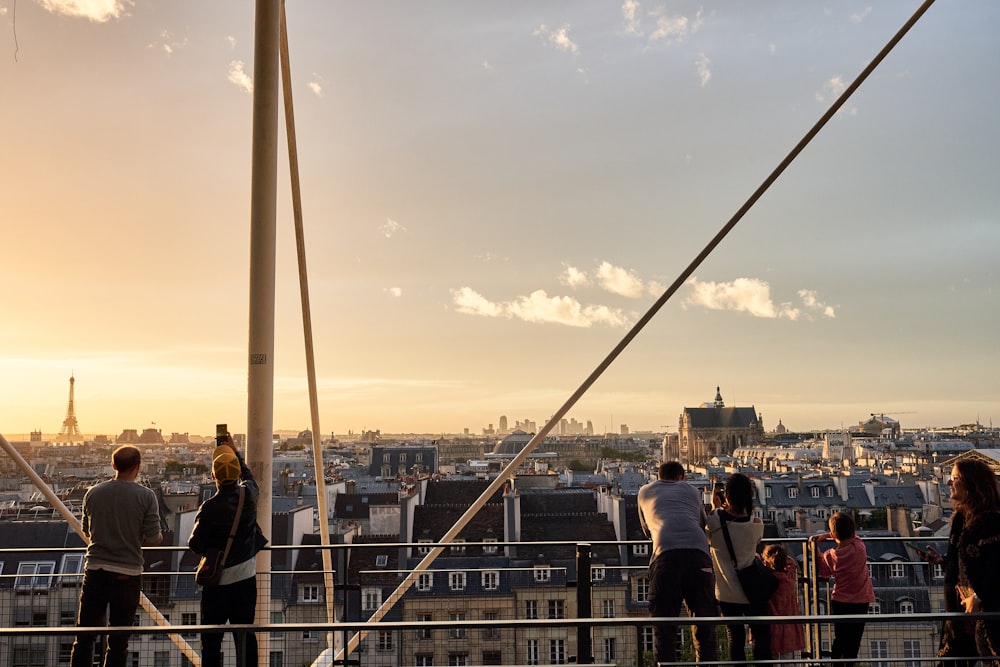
x,y
234,599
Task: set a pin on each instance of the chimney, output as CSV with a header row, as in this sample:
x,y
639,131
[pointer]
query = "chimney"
x,y
898,519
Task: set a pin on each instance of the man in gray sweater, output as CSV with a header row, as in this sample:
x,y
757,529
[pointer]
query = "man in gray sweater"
x,y
119,518
680,568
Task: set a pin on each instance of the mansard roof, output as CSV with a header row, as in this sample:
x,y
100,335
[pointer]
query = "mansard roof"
x,y
721,417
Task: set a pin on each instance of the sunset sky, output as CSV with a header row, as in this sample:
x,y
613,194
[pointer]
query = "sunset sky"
x,y
493,194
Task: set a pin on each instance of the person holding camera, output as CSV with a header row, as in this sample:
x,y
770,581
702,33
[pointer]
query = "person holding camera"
x,y
234,598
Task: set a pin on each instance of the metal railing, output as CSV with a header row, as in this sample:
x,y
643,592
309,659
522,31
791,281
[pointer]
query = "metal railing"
x,y
473,612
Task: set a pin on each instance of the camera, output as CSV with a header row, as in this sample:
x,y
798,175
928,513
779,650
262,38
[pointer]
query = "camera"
x,y
221,433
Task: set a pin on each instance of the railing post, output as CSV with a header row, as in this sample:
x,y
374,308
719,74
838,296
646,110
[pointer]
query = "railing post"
x,y
584,646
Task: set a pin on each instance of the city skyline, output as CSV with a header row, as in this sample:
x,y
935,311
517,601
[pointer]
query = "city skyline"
x,y
492,196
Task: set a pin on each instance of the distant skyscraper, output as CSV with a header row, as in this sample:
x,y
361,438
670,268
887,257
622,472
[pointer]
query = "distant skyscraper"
x,y
70,429
503,423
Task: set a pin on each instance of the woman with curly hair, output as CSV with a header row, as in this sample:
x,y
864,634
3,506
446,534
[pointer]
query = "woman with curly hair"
x,y
975,493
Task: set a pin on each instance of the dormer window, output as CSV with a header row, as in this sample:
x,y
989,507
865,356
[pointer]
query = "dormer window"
x,y
829,491
425,547
543,574
490,546
767,492
381,560
458,547
793,492
814,491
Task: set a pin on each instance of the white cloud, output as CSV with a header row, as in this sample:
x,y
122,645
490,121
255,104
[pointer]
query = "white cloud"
x,y
861,16
316,88
98,11
240,78
619,281
168,43
573,277
630,11
391,227
558,38
831,90
671,28
655,288
395,292
704,71
538,307
753,296
231,41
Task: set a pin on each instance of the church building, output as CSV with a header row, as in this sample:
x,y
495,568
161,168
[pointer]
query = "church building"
x,y
712,430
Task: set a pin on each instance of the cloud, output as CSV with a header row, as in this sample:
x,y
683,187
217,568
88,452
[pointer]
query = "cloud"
x,y
619,281
704,72
316,88
98,11
753,296
630,11
238,77
558,38
831,90
573,277
168,43
861,16
538,307
395,292
390,228
674,29
231,41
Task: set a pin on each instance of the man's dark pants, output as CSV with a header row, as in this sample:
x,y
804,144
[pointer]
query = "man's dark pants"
x,y
232,603
682,575
106,598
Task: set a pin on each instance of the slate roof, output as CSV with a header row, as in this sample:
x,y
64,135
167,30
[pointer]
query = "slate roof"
x,y
721,417
357,505
458,492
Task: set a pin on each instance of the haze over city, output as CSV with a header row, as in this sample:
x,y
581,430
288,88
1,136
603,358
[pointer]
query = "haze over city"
x,y
493,194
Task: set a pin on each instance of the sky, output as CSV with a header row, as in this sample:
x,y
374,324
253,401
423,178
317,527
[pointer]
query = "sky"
x,y
493,194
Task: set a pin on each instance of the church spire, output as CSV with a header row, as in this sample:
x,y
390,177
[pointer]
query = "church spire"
x,y
718,398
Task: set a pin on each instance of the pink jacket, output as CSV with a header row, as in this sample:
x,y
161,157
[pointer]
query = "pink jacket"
x,y
848,564
786,637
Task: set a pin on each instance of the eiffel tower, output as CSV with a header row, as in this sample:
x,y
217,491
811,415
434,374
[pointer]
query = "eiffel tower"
x,y
70,432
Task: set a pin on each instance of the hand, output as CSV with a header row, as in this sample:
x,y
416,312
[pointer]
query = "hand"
x,y
931,555
967,597
228,442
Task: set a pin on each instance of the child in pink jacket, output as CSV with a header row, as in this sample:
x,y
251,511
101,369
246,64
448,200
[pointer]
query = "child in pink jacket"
x,y
787,639
852,586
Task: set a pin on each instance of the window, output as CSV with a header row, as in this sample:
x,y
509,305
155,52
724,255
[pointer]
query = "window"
x,y
418,457
28,653
458,547
531,608
383,641
371,598
456,632
607,610
492,658
646,638
772,515
642,589
424,659
597,574
309,594
490,547
879,650
34,574
311,636
767,492
491,580
491,633
425,581
425,547
937,571
557,609
875,607
72,568
911,652
531,652
158,635
161,659
456,581
275,659
402,457
793,492
189,618
381,560
814,492
458,658
609,649
557,651
425,633
906,606
829,491
897,570
641,549
386,458
277,617
543,574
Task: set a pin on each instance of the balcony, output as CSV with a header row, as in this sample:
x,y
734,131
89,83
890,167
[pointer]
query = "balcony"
x,y
460,611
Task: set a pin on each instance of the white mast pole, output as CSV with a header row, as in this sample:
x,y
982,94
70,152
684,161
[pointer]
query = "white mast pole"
x,y
263,208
